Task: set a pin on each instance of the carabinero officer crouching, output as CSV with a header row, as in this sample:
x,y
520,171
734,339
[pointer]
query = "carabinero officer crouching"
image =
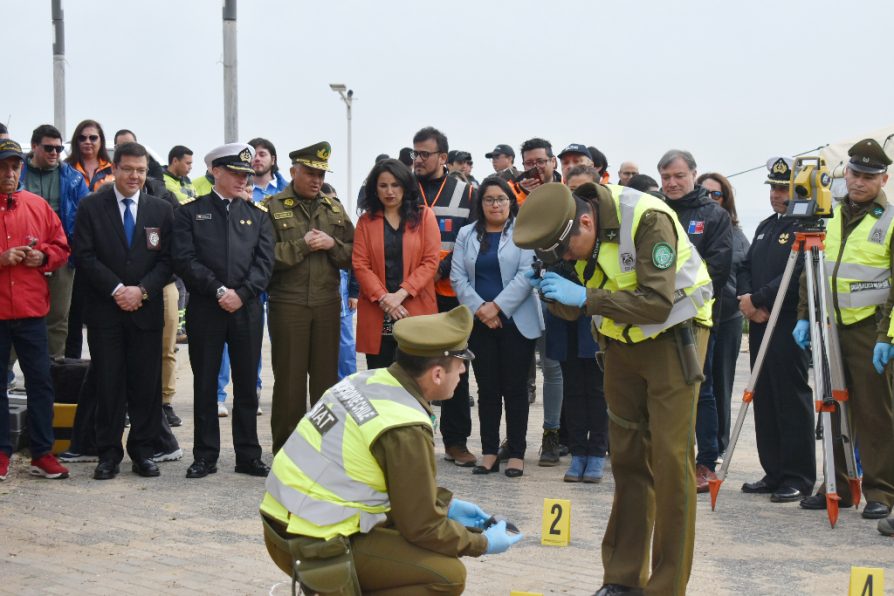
x,y
649,294
351,499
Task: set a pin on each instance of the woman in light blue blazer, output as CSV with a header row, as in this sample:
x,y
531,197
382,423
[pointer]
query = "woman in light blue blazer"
x,y
488,276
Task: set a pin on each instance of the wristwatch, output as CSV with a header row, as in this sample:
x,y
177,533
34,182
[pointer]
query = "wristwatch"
x,y
220,292
144,291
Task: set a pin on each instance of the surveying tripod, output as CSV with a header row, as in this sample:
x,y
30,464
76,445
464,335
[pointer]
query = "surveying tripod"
x,y
829,388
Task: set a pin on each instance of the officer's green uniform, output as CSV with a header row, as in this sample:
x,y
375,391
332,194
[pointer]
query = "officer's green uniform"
x,y
304,299
643,279
859,247
361,465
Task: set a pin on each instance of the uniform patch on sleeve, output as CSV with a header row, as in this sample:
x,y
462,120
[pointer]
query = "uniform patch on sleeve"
x,y
354,402
663,255
322,418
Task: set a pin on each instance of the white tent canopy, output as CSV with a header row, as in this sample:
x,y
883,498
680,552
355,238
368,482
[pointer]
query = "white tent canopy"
x,y
836,156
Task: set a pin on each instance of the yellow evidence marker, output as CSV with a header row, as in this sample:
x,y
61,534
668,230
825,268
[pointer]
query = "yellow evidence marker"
x,y
517,593
556,522
867,581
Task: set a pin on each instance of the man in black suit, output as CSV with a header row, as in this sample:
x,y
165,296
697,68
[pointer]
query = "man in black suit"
x,y
223,251
122,247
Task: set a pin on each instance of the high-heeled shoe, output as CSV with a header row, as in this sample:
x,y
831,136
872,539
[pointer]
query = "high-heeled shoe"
x,y
485,470
515,472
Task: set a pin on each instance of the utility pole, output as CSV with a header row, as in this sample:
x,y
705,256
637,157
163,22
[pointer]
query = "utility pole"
x,y
347,96
231,87
58,66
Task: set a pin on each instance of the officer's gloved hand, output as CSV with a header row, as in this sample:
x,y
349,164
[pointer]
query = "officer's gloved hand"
x,y
498,539
468,514
532,280
881,354
802,334
556,287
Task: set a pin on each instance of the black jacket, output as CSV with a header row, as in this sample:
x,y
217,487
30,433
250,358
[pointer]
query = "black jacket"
x,y
729,302
105,259
710,231
213,247
761,273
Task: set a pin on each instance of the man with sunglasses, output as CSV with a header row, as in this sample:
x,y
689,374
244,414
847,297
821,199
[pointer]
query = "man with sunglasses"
x,y
451,200
649,295
46,175
710,230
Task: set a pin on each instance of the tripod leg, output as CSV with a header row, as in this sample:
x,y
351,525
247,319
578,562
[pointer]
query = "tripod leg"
x,y
714,483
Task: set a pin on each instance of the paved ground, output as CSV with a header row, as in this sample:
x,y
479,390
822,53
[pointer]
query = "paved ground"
x,y
171,535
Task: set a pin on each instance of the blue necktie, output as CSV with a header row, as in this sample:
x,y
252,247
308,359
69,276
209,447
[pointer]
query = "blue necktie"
x,y
129,223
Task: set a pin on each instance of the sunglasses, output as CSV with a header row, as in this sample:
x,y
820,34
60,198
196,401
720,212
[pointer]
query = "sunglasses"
x,y
52,148
715,194
85,138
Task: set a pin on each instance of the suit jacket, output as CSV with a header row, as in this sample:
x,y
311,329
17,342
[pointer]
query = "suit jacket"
x,y
104,258
421,248
517,300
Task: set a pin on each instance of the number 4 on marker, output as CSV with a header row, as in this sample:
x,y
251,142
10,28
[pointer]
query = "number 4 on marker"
x,y
867,581
556,522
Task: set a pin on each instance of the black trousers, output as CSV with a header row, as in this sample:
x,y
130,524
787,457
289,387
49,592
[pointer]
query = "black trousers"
x,y
83,435
726,353
74,341
127,363
456,415
209,327
499,356
783,408
583,407
385,357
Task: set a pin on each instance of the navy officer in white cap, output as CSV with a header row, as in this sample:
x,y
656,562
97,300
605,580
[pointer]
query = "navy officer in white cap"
x,y
223,251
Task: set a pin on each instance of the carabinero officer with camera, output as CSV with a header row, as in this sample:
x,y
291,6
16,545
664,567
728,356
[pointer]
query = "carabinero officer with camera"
x,y
351,500
650,295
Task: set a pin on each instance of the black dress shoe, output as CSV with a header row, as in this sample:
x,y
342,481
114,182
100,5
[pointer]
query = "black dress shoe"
x,y
786,494
254,467
514,472
875,510
200,468
106,470
613,589
146,468
818,502
495,467
758,488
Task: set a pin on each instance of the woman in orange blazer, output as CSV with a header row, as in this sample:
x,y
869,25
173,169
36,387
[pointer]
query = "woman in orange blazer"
x,y
396,247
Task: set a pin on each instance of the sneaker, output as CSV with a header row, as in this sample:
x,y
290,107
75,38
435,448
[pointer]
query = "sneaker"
x,y
549,449
172,456
4,466
127,421
70,457
47,467
222,410
260,411
173,418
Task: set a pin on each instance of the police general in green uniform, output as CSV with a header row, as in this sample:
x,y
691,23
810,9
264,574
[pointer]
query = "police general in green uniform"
x,y
352,493
314,239
649,294
859,246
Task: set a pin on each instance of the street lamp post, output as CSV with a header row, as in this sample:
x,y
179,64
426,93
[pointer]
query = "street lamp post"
x,y
347,96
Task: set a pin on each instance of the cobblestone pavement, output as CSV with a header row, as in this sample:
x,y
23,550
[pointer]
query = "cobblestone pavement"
x,y
171,535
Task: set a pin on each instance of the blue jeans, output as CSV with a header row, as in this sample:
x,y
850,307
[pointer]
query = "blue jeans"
x,y
29,338
347,347
552,387
706,414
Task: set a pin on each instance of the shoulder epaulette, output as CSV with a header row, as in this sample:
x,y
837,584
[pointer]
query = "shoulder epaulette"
x,y
187,201
258,206
334,204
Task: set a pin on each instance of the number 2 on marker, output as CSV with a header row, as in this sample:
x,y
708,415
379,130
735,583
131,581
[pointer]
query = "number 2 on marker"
x,y
556,522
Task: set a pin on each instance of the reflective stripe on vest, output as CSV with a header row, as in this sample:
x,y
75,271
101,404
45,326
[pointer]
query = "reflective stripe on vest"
x,y
325,481
453,209
859,272
692,284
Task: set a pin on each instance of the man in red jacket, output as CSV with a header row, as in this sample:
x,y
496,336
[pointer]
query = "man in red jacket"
x,y
32,243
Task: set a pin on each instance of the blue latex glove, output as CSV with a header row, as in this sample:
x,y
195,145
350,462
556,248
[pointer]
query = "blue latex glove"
x,y
881,354
802,334
556,287
498,539
533,281
468,514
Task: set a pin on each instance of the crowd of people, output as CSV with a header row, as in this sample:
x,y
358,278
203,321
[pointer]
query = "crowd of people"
x,y
598,283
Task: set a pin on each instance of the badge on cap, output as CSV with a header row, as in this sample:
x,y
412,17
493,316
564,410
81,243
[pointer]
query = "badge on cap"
x,y
662,255
324,153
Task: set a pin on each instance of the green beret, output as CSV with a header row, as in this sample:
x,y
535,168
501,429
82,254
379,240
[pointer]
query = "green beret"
x,y
433,336
316,156
545,220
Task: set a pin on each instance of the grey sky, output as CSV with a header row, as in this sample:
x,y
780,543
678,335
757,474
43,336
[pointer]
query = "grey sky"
x,y
732,82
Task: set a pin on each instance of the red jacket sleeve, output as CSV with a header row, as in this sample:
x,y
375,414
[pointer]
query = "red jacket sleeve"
x,y
371,286
54,243
424,273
